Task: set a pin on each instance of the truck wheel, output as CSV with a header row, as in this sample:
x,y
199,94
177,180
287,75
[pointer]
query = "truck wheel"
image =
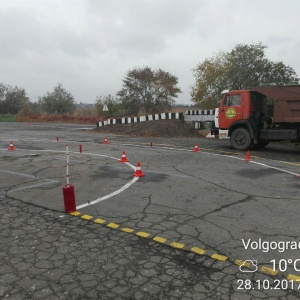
x,y
240,139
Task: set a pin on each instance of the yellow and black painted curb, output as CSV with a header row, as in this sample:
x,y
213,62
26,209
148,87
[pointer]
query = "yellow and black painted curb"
x,y
196,250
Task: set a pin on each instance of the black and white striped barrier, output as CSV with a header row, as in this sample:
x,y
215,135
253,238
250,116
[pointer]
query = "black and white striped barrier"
x,y
198,116
197,112
201,119
128,120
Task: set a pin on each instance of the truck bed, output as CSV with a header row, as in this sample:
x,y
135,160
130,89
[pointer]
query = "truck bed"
x,y
286,102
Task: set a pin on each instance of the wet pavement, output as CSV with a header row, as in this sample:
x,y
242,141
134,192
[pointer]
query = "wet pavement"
x,y
175,234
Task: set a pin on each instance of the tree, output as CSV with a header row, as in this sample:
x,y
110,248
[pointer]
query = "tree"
x,y
209,81
113,104
243,67
12,99
29,110
59,101
148,91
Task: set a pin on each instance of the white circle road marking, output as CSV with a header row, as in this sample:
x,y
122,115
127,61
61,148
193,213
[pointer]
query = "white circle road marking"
x,y
123,188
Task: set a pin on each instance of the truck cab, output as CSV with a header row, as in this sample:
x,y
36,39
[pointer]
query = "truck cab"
x,y
240,117
231,108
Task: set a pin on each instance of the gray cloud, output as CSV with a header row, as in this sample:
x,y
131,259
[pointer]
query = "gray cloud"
x,y
89,45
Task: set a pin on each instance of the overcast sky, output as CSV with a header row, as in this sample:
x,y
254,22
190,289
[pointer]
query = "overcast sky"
x,y
89,45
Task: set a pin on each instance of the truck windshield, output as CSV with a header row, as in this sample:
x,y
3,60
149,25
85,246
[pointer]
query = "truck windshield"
x,y
232,100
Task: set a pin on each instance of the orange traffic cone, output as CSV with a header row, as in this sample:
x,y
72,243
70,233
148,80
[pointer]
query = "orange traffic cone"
x,y
196,149
123,158
138,171
248,156
106,141
11,146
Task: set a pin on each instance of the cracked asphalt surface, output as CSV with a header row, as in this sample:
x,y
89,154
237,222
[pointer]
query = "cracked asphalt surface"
x,y
208,200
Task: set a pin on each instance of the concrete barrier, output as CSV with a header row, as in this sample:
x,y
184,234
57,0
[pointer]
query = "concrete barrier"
x,y
128,120
199,118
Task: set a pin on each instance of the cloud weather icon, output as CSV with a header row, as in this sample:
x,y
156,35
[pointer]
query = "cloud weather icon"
x,y
249,266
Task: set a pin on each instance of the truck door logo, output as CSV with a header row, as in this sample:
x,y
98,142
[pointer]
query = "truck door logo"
x,y
230,113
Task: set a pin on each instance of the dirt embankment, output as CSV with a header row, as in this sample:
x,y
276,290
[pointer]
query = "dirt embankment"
x,y
159,128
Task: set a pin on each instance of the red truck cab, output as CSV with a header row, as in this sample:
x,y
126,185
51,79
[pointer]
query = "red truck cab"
x,y
232,108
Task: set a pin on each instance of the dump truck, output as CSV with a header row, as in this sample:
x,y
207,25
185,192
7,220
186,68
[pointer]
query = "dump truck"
x,y
255,117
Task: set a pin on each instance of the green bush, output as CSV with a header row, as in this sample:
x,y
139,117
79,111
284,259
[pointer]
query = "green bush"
x,y
7,118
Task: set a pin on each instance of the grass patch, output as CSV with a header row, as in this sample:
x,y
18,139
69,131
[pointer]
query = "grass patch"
x,y
7,118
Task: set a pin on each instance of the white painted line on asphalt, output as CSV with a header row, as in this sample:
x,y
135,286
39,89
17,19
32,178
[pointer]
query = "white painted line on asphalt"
x,y
255,162
216,154
127,185
275,168
20,174
48,181
123,188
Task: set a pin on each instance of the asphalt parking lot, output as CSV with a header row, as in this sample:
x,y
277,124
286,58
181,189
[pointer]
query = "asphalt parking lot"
x,y
180,232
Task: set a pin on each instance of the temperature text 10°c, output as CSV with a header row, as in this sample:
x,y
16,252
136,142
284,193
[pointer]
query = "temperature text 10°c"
x,y
283,264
